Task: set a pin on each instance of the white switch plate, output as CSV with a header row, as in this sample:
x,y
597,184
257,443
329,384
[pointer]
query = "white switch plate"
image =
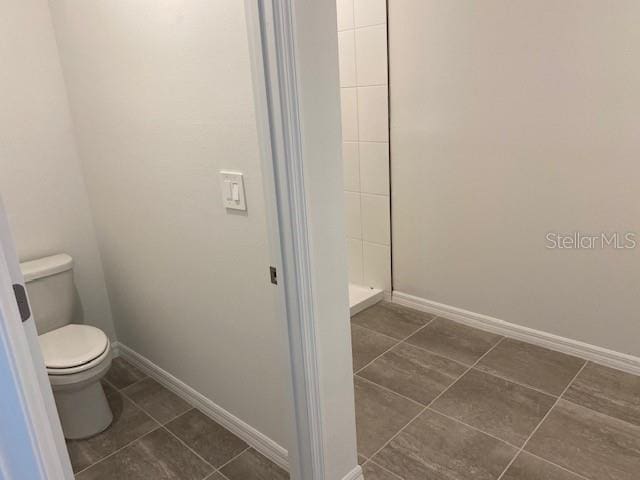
x,y
232,186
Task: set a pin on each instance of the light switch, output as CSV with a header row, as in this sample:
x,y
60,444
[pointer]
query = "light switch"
x,y
232,190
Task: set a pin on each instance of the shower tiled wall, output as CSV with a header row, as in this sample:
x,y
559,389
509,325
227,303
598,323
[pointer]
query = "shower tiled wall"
x,y
362,40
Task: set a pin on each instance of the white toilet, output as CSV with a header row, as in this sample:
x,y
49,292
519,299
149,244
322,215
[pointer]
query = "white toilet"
x,y
76,356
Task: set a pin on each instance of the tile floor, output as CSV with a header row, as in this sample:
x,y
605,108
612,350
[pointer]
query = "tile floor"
x,y
438,400
435,400
156,435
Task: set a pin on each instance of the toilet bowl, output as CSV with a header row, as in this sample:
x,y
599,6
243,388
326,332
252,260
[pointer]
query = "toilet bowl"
x,y
76,356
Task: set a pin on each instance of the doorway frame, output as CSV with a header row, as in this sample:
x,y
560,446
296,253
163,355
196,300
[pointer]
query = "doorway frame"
x,y
26,366
278,44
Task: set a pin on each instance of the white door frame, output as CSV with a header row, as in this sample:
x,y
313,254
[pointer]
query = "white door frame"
x,y
38,418
280,116
275,92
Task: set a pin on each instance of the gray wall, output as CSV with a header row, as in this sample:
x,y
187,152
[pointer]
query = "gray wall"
x,y
162,99
511,119
41,180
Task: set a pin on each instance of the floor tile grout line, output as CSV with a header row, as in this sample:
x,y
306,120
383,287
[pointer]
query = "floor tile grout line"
x,y
617,419
419,404
398,342
148,414
158,426
137,382
377,332
389,336
190,449
552,395
163,426
432,352
436,398
457,420
191,407
430,407
541,422
233,458
383,468
475,368
555,465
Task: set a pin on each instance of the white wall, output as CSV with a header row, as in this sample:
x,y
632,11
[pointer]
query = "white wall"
x,y
162,98
40,177
362,41
511,119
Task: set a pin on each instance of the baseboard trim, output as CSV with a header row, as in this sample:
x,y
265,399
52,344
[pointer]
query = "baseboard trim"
x,y
603,356
355,474
263,444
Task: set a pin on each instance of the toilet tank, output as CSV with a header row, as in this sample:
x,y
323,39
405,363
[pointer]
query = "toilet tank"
x,y
52,297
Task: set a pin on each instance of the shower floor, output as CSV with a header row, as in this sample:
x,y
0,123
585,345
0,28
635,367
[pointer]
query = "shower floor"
x,y
363,297
439,400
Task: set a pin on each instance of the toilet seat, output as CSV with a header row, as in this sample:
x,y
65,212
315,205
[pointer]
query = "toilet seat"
x,y
73,348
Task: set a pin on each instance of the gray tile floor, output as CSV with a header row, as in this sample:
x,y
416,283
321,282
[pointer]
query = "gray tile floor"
x,y
435,400
156,435
438,400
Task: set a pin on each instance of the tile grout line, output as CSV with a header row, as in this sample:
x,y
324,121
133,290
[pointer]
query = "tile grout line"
x,y
159,425
383,468
438,354
436,398
420,404
556,465
457,420
232,459
163,426
524,385
123,447
398,342
541,422
475,367
119,390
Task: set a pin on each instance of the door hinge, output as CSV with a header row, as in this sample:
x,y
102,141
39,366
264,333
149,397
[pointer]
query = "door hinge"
x,y
273,274
22,301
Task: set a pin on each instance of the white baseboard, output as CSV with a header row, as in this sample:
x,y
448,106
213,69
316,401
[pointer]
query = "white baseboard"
x,y
355,474
603,356
253,437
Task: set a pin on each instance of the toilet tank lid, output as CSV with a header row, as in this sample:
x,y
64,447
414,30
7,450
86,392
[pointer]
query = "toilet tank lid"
x,y
46,266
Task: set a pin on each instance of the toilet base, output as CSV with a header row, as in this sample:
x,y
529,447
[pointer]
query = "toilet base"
x,y
83,412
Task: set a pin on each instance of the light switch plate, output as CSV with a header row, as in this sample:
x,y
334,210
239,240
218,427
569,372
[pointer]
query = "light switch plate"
x,y
232,186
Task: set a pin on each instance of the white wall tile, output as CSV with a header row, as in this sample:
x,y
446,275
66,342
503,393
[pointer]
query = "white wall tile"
x,y
354,256
351,166
347,58
369,12
352,210
345,14
374,167
375,218
371,55
376,265
373,114
349,105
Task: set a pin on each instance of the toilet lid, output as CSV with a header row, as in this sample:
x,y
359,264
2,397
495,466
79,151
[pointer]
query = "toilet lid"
x,y
72,345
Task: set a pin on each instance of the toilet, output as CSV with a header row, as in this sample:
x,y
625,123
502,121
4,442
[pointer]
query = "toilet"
x,y
76,356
